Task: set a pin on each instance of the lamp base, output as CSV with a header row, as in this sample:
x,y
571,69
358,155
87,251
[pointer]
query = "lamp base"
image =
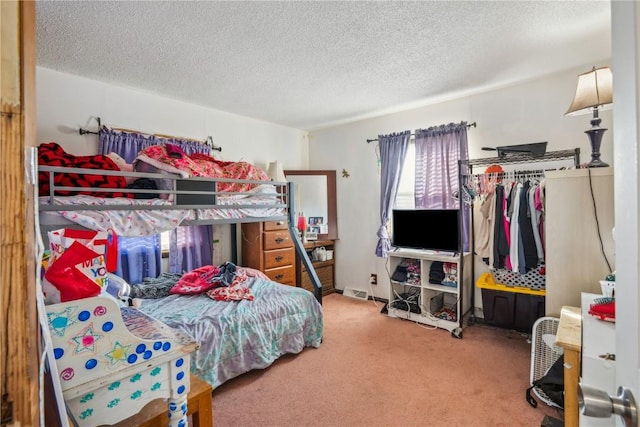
x,y
595,138
597,163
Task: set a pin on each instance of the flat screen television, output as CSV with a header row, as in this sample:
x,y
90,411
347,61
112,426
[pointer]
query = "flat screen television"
x,y
432,229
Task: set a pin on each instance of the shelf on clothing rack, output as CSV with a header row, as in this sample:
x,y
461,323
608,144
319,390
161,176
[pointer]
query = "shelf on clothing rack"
x,y
528,158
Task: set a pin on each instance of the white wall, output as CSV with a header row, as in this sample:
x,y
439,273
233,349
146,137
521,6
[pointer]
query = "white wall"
x,y
66,102
518,114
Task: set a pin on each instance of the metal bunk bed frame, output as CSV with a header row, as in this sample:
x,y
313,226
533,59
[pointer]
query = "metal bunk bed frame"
x,y
286,199
511,159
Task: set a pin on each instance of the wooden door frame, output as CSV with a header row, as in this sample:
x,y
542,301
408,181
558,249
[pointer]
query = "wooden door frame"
x,y
19,331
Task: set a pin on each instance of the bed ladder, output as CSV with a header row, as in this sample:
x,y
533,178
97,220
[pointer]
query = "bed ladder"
x,y
300,250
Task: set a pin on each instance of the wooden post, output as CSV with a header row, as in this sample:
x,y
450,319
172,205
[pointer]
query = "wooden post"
x,y
19,332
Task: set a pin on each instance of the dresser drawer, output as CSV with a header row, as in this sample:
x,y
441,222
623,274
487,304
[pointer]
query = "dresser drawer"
x,y
279,257
285,275
325,274
275,225
277,239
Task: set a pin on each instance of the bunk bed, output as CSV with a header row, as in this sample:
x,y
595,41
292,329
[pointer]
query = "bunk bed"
x,y
215,340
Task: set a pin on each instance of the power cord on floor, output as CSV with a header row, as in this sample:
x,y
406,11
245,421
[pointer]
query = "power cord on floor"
x,y
595,213
409,299
373,298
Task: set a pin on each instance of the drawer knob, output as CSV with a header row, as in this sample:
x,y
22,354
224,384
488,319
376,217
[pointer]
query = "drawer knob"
x,y
279,258
279,276
279,240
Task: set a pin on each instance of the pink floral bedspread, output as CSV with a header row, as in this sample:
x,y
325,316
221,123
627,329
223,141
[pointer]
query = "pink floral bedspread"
x,y
204,166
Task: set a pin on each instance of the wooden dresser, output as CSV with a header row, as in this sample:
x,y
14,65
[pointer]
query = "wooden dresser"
x,y
324,269
268,247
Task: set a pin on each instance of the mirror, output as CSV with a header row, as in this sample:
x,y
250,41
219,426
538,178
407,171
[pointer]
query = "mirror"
x,y
315,197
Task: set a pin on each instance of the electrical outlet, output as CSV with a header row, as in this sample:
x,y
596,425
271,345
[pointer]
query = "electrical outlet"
x,y
373,279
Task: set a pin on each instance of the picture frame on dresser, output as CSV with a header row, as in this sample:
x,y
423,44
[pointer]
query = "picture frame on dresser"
x,y
316,220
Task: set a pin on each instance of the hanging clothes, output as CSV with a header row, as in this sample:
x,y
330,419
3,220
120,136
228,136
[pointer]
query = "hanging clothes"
x,y
514,229
485,228
510,226
535,217
500,245
526,230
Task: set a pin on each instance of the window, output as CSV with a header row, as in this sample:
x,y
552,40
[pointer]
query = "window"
x,y
164,242
406,188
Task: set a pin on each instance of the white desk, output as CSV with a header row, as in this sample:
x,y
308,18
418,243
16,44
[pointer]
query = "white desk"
x,y
598,339
111,361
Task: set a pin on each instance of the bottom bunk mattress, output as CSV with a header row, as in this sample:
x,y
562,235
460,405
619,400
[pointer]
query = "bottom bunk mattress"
x,y
238,336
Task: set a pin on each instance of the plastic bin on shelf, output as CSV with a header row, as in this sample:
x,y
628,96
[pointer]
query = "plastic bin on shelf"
x,y
510,307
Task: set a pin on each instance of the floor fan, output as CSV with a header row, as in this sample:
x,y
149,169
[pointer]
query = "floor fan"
x,y
544,352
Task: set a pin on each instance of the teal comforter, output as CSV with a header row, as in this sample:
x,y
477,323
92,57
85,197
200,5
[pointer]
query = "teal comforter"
x,y
238,336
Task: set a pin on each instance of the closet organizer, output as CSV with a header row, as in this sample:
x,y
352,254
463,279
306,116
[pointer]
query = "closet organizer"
x,y
513,293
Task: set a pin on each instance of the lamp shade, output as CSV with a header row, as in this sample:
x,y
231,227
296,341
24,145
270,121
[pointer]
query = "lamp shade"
x,y
275,172
594,90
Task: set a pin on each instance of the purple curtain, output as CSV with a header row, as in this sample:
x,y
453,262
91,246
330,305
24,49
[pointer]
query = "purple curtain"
x,y
393,150
438,151
190,247
127,145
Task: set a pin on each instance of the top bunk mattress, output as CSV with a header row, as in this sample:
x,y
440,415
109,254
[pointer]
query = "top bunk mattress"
x,y
141,217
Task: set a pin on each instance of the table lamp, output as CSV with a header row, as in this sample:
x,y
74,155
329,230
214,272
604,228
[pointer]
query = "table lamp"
x,y
592,94
275,172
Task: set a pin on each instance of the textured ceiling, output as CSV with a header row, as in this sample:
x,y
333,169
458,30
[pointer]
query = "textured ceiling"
x,y
309,65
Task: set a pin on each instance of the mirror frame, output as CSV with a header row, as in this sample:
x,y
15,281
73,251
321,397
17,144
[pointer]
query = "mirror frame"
x,y
332,211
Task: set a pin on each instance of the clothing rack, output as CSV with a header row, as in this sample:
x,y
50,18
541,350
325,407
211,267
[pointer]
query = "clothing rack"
x,y
469,125
465,170
208,141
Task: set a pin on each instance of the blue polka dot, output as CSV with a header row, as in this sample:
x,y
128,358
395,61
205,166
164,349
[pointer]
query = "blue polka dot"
x,y
166,346
147,355
107,326
141,348
91,363
179,362
132,358
184,409
181,389
172,407
181,423
58,353
180,375
84,315
157,345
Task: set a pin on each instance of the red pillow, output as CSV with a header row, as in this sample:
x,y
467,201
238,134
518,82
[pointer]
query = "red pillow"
x,y
197,281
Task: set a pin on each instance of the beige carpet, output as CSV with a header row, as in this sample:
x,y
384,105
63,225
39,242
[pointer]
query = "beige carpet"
x,y
372,370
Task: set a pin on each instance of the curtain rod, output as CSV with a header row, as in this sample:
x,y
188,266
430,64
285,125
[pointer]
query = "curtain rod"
x,y
470,125
208,141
